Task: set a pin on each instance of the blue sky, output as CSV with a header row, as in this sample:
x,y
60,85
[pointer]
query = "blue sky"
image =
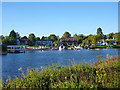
x,y
45,18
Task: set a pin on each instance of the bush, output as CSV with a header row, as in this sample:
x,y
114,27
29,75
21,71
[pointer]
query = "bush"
x,y
103,74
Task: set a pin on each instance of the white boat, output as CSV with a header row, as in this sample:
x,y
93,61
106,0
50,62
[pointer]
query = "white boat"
x,y
37,48
77,48
61,48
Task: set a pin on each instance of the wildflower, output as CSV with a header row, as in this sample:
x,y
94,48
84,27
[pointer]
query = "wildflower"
x,y
97,56
108,61
20,69
97,72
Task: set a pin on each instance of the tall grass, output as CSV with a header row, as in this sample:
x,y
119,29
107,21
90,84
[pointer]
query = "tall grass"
x,y
103,74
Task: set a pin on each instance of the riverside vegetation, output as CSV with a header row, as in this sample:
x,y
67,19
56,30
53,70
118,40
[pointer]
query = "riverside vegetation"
x,y
102,74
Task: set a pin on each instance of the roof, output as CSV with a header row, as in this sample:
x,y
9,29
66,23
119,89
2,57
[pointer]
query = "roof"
x,y
24,40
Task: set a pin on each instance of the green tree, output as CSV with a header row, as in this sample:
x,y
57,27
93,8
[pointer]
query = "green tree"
x,y
37,38
12,38
24,37
1,38
44,38
6,40
79,38
12,41
17,35
110,35
66,35
117,37
31,39
53,37
99,31
75,36
104,37
13,34
58,40
93,39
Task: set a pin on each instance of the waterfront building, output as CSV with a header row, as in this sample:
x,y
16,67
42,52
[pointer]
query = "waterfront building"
x,y
24,42
44,43
103,42
69,41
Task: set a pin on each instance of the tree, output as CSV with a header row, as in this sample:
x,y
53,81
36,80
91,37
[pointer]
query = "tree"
x,y
53,37
12,41
44,38
37,38
99,31
75,36
117,37
17,35
66,35
13,34
24,37
110,35
31,39
79,38
6,40
58,40
104,37
94,39
12,38
1,38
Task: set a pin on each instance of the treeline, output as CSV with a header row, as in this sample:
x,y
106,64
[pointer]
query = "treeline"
x,y
81,39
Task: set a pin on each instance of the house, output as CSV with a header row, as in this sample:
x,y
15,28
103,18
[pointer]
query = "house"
x,y
112,41
103,42
24,41
44,43
69,41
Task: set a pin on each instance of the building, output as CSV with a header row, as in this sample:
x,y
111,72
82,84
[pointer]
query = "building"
x,y
103,42
69,41
44,43
23,42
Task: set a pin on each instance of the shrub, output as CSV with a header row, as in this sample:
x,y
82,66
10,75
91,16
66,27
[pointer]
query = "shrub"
x,y
103,74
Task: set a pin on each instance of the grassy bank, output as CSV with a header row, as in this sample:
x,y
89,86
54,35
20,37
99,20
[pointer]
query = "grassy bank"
x,y
103,74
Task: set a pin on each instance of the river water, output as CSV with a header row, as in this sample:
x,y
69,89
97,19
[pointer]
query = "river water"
x,y
35,59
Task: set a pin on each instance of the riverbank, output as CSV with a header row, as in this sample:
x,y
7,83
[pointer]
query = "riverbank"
x,y
35,48
102,74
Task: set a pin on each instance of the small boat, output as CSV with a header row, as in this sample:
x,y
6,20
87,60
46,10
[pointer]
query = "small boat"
x,y
61,48
37,48
77,48
54,48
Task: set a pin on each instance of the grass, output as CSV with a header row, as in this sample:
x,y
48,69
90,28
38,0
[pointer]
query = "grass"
x,y
101,46
102,74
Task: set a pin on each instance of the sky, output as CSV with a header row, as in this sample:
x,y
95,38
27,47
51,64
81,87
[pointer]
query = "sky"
x,y
45,18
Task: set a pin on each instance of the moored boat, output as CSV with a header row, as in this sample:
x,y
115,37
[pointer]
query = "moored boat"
x,y
37,48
